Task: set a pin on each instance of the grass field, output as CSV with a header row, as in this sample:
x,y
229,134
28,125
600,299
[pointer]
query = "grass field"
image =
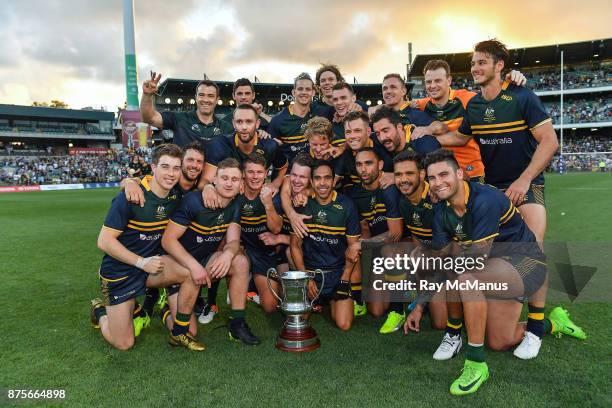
x,y
48,266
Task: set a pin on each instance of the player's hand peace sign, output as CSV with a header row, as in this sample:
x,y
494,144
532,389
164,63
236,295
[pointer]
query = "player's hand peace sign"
x,y
149,87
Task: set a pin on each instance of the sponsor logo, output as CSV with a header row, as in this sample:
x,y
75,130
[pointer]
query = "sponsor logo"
x,y
199,239
338,206
498,141
155,237
506,97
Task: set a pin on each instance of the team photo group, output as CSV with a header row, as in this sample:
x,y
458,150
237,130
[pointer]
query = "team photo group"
x,y
457,175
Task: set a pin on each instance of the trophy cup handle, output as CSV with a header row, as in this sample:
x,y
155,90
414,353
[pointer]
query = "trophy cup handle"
x,y
322,286
272,272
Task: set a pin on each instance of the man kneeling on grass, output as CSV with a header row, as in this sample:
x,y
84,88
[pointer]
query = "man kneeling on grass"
x,y
131,240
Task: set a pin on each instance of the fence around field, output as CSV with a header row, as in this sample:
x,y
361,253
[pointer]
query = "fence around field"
x,y
54,187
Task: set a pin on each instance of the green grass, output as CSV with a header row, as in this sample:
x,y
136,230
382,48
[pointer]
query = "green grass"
x,y
48,270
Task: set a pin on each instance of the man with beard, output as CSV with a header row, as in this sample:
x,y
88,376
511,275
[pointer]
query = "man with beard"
x,y
258,216
380,218
395,137
239,145
417,210
191,169
289,125
477,221
200,125
517,142
193,237
331,246
130,239
244,93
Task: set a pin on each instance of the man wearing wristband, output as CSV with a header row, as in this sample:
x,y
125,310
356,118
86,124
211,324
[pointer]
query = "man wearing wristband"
x,y
130,238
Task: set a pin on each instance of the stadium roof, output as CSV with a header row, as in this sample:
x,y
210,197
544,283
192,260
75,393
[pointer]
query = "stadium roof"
x,y
185,88
54,113
585,51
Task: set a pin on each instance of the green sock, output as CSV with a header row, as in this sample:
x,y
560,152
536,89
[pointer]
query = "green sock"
x,y
454,325
181,323
475,353
547,326
237,314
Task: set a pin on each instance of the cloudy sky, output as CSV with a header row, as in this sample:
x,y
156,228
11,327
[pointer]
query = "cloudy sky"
x,y
72,50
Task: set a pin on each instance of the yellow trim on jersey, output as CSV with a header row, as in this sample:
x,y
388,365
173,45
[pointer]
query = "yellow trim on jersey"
x,y
113,280
541,123
253,218
147,224
508,214
325,227
252,222
498,125
206,230
404,106
419,229
486,132
161,227
145,182
354,236
338,142
425,190
485,238
112,229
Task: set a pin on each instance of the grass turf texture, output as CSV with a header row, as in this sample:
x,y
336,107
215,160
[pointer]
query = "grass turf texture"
x,y
49,264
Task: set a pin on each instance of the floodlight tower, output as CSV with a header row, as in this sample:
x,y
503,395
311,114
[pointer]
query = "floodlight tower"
x,y
133,130
129,45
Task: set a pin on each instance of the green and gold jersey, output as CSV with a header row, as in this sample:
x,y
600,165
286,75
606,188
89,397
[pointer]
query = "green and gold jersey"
x,y
502,128
205,227
289,129
418,219
325,246
376,206
489,215
141,227
254,221
188,128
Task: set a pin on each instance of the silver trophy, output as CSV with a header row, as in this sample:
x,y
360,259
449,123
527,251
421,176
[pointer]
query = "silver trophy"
x,y
297,334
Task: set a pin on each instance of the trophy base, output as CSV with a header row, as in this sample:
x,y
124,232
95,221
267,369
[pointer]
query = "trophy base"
x,y
298,341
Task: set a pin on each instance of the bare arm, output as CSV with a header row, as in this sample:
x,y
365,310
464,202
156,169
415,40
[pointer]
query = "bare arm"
x,y
547,146
170,242
108,242
295,245
274,221
396,229
147,104
280,178
352,257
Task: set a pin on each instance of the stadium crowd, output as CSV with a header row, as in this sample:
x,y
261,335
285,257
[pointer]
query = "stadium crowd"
x,y
30,170
582,111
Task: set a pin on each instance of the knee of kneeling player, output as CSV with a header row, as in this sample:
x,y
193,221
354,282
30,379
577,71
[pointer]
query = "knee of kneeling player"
x,y
344,325
438,324
268,306
240,264
498,343
124,344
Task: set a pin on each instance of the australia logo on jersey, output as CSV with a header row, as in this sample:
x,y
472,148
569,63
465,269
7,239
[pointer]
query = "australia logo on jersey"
x,y
416,219
459,232
372,203
195,127
216,131
247,210
219,220
303,127
160,213
321,217
489,115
